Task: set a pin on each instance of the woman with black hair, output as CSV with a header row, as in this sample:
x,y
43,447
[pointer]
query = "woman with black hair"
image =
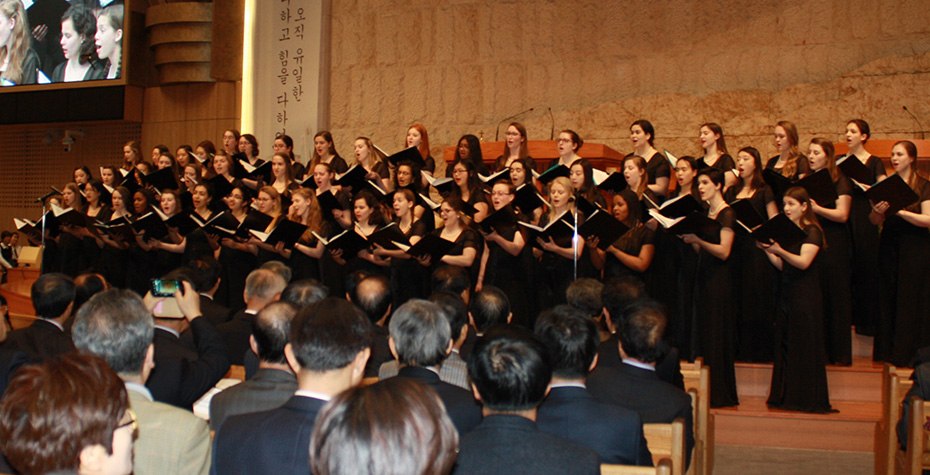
x,y
569,142
632,254
714,323
581,174
508,261
236,258
468,189
78,28
97,208
469,149
658,170
285,144
468,243
324,151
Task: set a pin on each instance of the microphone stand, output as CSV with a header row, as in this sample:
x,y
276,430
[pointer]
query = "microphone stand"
x,y
575,245
923,135
497,132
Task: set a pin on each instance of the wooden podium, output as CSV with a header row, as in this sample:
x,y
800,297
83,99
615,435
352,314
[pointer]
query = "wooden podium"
x,y
542,151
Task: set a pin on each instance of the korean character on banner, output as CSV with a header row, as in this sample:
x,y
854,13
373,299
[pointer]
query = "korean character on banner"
x,y
286,2
299,59
282,99
285,34
286,15
298,92
282,117
300,15
298,73
283,76
299,31
284,54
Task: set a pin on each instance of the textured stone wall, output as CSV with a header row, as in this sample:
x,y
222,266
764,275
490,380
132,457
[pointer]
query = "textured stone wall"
x,y
460,66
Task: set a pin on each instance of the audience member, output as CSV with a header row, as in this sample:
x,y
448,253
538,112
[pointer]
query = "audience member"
x,y
53,299
634,384
207,283
183,374
274,383
372,294
618,294
67,415
510,373
420,340
395,426
279,268
85,287
570,411
489,307
452,279
262,287
585,295
453,370
117,326
304,292
329,344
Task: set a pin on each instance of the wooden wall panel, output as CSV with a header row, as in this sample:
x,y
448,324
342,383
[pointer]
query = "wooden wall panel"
x,y
32,158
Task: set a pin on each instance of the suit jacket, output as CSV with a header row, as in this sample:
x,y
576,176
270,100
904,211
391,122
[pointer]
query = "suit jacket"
x,y
236,333
510,444
460,404
171,440
182,375
10,361
641,390
453,371
272,442
668,368
214,312
40,340
615,433
269,389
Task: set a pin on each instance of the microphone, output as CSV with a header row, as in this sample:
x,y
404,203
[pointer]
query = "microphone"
x,y
552,121
922,133
497,134
46,196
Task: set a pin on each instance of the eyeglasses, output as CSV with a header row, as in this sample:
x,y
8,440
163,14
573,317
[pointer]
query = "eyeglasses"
x,y
458,171
131,422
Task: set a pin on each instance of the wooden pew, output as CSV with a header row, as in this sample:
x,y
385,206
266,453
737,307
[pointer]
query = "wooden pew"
x,y
697,383
664,467
916,458
667,441
236,372
895,385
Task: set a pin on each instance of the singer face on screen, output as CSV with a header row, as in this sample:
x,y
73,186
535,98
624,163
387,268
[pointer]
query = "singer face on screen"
x,y
109,39
19,64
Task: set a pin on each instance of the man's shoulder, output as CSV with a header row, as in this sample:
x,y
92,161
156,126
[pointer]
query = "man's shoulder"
x,y
165,413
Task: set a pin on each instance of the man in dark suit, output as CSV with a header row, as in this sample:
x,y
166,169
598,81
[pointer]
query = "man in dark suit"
x,y
10,361
207,283
329,346
510,373
570,411
53,299
421,338
274,383
372,294
617,294
262,287
183,374
634,384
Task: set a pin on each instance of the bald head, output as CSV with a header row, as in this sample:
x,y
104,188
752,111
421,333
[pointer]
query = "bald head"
x,y
271,328
373,296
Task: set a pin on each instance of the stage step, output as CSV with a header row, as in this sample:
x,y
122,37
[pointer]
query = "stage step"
x,y
752,423
855,391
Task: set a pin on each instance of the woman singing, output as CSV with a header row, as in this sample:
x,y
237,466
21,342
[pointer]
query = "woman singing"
x,y
78,28
714,324
515,147
866,304
658,170
905,266
837,286
799,376
715,152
